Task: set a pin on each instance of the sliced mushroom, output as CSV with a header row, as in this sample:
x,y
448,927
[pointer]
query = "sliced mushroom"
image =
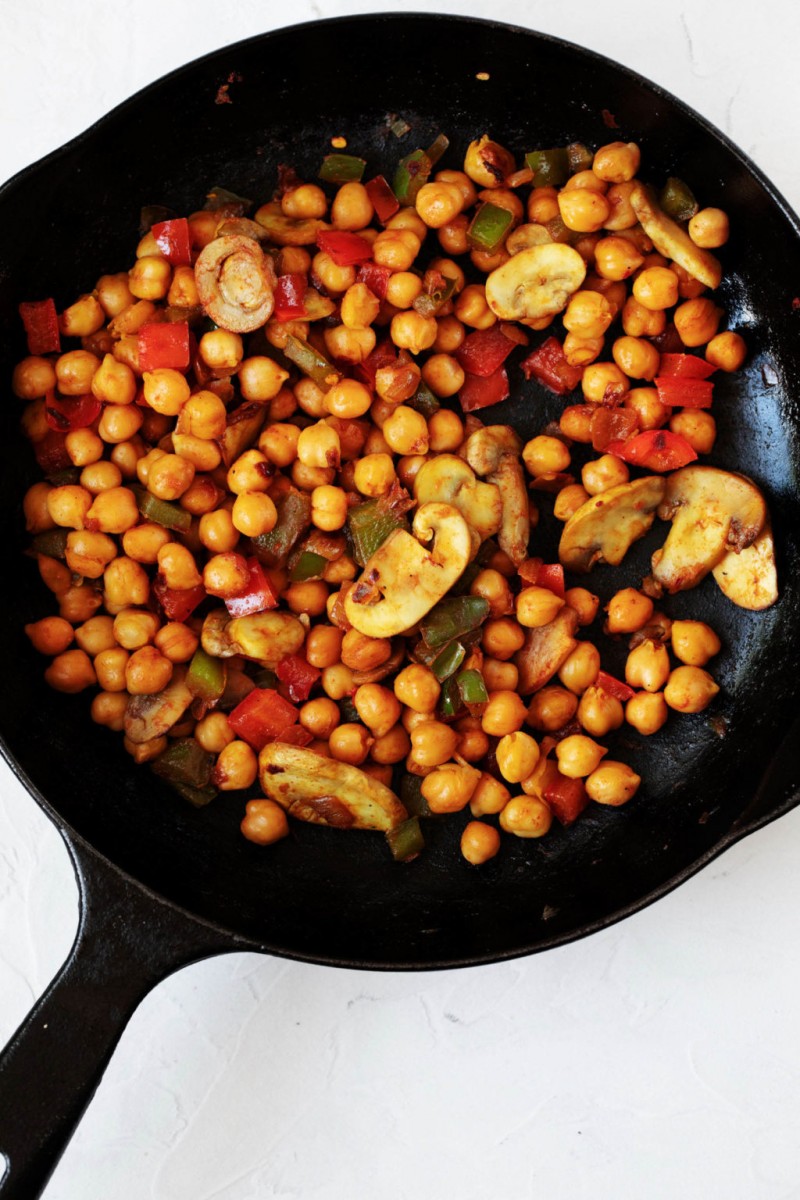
x,y
288,231
604,528
266,637
525,236
326,792
148,717
712,511
671,240
545,649
494,453
242,227
750,578
535,283
235,282
403,580
447,478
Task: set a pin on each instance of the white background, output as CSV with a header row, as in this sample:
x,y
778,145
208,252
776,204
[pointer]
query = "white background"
x,y
658,1059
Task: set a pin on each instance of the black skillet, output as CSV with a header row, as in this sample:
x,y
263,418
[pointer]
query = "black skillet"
x,y
162,884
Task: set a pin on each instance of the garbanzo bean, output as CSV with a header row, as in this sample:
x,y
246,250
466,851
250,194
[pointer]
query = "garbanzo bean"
x,y
479,842
264,822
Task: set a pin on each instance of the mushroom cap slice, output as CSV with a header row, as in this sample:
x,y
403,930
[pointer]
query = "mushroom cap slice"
x,y
535,283
545,649
326,792
148,717
750,578
604,528
671,240
403,579
494,452
712,511
288,231
447,478
235,283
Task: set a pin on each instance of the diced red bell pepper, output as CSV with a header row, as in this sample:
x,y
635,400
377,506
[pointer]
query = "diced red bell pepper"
x,y
295,735
567,798
479,391
51,453
174,241
177,603
290,293
680,391
685,366
612,425
614,687
551,576
298,676
41,326
384,354
376,278
346,249
655,450
261,717
65,413
548,364
484,351
382,198
256,597
164,345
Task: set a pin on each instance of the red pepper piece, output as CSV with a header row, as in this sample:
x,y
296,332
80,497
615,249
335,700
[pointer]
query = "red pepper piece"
x,y
261,717
346,249
612,425
382,198
567,798
685,366
479,391
529,569
298,676
164,345
551,576
51,453
484,351
178,603
65,413
295,735
256,597
655,450
684,391
548,364
614,687
174,241
41,326
384,354
290,297
376,278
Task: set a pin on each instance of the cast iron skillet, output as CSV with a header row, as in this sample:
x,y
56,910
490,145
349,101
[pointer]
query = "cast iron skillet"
x,y
162,884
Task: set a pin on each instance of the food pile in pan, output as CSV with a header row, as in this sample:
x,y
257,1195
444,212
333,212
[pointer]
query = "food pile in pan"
x,y
290,539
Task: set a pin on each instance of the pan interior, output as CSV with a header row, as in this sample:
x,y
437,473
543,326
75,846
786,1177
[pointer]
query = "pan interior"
x,y
330,896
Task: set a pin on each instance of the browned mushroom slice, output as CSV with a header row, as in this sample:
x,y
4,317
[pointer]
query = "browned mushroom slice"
x,y
604,528
148,717
750,578
288,231
326,792
235,282
712,511
673,241
493,452
545,650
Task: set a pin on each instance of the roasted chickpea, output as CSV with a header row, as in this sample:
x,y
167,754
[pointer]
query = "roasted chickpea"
x,y
537,606
569,500
374,474
544,455
479,842
68,505
84,447
348,398
350,743
237,767
697,321
176,641
628,611
362,653
613,783
601,380
504,713
526,817
308,597
378,708
438,203
603,473
108,709
637,358
727,351
493,587
418,688
647,666
71,672
698,426
709,228
324,646
502,637
33,377
647,712
320,717
143,542
75,371
225,574
694,642
650,412
114,382
578,755
51,635
517,755
580,669
552,708
656,288
110,668
34,506
616,258
449,787
406,431
583,210
445,376
638,321
433,743
264,822
131,629
599,713
583,602
472,308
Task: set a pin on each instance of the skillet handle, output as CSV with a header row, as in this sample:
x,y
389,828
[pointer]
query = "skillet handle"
x,y
126,942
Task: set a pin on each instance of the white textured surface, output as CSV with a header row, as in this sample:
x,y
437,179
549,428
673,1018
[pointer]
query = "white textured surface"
x,y
657,1059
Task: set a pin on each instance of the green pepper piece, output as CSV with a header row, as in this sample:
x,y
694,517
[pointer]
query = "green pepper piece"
x,y
462,585
244,426
437,148
405,840
69,475
579,157
452,618
677,200
428,304
171,516
342,168
369,524
560,232
450,704
52,542
488,227
311,363
294,517
412,798
308,566
424,401
399,127
199,797
220,197
206,676
472,688
448,660
185,763
550,167
412,172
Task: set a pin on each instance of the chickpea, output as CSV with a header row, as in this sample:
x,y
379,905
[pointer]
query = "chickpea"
x,y
489,797
450,335
406,431
601,380
237,767
418,688
402,289
308,597
68,505
176,641
647,712
500,676
147,671
603,473
694,642
169,477
217,531
433,743
438,203
125,457
351,208
378,708
71,672
84,447
98,477
656,288
51,635
583,210
264,822
552,708
472,309
479,842
33,377
449,788
113,293
544,455
517,755
391,747
445,376
578,755
120,422
278,444
75,371
374,474
350,743
254,514
78,602
622,215
727,351
396,248
144,752
709,228
580,668
647,666
583,602
349,345
473,743
110,668
628,611
580,352
411,331
613,783
324,646
650,412
638,321
493,587
526,817
348,398
34,506
362,653
131,629
575,422
504,713
249,473
616,258
617,162
697,426
588,314
225,574
108,709
599,713
89,554
537,606
320,717
637,358
697,321
144,542
569,500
